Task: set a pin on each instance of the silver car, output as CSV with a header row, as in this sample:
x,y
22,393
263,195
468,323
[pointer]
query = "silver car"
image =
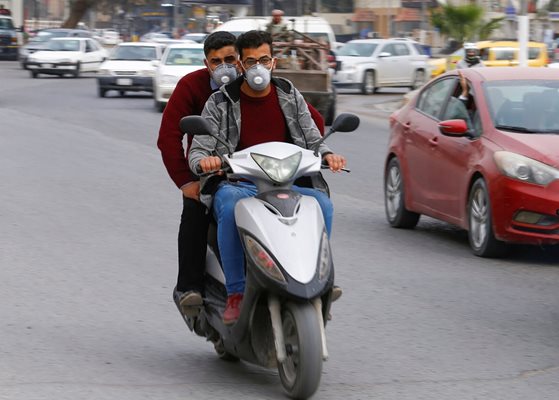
x,y
369,64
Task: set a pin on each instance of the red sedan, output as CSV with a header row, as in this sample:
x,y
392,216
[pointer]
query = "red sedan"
x,y
483,157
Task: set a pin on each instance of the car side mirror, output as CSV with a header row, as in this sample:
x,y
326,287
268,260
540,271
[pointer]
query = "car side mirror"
x,y
155,63
454,127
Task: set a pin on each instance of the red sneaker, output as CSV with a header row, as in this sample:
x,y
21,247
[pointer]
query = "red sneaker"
x,y
232,309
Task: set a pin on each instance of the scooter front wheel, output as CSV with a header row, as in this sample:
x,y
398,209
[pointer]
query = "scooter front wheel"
x,y
300,373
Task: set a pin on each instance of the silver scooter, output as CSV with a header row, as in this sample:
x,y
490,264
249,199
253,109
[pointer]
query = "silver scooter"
x,y
289,268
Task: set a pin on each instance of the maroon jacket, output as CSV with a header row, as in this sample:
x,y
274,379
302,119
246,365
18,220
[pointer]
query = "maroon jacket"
x,y
189,98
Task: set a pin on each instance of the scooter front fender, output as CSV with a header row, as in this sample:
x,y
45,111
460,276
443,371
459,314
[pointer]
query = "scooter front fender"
x,y
293,241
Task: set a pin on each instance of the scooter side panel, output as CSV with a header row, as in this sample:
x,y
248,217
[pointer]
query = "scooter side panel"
x,y
294,243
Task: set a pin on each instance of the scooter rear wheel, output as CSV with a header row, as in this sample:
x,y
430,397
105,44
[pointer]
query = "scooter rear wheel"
x,y
300,373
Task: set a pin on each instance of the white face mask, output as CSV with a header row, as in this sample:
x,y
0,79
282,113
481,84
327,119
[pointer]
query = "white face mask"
x,y
258,77
224,73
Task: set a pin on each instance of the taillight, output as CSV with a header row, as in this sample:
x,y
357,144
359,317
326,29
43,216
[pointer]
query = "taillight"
x,y
331,59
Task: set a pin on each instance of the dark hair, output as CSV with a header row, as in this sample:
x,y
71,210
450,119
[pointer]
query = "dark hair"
x,y
217,40
253,40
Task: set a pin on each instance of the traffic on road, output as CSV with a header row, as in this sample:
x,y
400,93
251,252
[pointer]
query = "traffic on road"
x,y
89,260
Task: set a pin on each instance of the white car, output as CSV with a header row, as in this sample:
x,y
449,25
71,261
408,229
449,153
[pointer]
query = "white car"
x,y
110,37
129,68
67,56
369,64
177,61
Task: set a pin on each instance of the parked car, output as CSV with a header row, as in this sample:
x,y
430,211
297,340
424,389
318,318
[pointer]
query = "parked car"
x,y
488,164
370,64
177,61
67,56
10,37
42,37
129,68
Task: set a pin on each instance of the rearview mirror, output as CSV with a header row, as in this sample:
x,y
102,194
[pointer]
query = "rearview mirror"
x,y
346,122
194,125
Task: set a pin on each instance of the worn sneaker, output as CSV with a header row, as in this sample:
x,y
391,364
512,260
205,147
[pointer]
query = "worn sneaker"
x,y
190,303
232,309
336,293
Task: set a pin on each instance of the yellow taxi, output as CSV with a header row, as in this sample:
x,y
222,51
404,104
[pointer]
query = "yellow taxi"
x,y
505,53
438,66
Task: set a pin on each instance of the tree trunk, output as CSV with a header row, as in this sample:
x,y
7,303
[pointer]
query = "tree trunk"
x,y
78,9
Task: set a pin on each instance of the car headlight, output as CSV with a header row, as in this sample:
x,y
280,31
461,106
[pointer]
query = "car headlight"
x,y
262,259
324,258
104,72
525,169
169,80
67,61
147,72
280,171
348,68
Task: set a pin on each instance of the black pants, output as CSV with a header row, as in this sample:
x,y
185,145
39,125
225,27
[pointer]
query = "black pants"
x,y
193,238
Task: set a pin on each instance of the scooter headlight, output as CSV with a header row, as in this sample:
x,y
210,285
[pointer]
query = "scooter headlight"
x,y
280,171
262,259
324,258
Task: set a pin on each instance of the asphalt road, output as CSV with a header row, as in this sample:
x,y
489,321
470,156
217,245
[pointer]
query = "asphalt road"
x,y
88,222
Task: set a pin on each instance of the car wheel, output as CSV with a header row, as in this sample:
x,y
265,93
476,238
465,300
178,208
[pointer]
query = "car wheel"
x,y
480,232
418,79
34,74
368,85
101,92
396,213
77,71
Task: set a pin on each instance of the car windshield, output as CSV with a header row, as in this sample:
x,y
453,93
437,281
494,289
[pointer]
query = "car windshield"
x,y
138,53
6,23
526,106
64,45
46,36
185,57
357,49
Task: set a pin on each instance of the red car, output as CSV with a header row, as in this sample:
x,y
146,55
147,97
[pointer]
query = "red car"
x,y
487,161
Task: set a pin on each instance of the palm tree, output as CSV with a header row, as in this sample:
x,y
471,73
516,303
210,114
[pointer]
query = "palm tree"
x,y
463,23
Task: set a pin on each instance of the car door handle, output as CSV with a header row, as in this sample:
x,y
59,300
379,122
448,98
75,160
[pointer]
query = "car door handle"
x,y
434,141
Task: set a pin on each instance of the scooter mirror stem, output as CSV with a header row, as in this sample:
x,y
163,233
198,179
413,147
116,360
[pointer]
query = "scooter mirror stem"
x,y
317,145
223,142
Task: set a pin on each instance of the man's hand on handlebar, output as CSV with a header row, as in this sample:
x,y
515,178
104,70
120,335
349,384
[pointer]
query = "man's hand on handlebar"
x,y
210,164
336,162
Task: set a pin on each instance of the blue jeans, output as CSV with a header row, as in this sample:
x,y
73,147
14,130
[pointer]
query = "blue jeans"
x,y
229,242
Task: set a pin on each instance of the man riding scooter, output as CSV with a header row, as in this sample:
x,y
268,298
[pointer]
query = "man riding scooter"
x,y
255,108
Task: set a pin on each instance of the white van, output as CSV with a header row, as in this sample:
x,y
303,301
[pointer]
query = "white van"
x,y
315,27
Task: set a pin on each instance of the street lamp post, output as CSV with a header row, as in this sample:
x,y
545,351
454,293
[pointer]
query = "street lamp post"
x,y
523,32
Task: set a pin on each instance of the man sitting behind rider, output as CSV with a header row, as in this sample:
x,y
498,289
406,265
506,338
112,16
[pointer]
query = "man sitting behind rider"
x,y
255,108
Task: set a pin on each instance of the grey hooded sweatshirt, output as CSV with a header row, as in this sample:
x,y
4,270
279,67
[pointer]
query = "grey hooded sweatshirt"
x,y
223,112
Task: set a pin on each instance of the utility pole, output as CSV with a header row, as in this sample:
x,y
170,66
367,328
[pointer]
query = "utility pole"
x,y
176,17
523,32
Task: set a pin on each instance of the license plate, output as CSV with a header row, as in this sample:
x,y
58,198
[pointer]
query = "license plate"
x,y
46,65
124,81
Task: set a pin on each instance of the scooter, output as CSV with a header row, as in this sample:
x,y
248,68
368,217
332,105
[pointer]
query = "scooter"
x,y
289,268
